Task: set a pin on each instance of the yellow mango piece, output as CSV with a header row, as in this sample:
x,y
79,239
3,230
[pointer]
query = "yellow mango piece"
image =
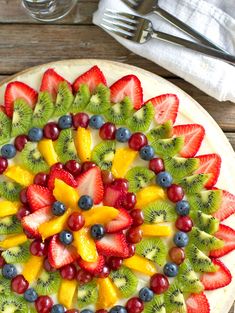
x,y
8,208
47,150
108,294
85,245
13,241
32,268
140,264
54,226
100,215
123,158
66,292
19,175
83,142
148,195
66,194
156,230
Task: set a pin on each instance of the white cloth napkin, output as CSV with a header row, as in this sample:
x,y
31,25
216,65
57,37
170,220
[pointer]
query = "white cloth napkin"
x,y
214,18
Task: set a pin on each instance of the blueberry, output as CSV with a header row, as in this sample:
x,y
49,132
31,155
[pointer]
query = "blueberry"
x,y
181,239
146,294
170,269
57,308
30,295
8,151
147,153
123,134
58,208
164,179
97,231
66,237
182,207
85,203
35,134
65,121
9,271
96,121
87,311
118,309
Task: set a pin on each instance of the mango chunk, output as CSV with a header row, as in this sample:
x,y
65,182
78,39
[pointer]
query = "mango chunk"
x,y
123,158
8,208
66,292
156,230
85,245
66,194
19,175
13,241
108,294
140,264
83,142
100,215
47,150
148,195
32,268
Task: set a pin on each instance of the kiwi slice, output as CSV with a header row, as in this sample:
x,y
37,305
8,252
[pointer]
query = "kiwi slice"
x,y
65,147
103,154
205,222
5,286
48,283
195,183
32,159
87,294
157,305
43,109
204,241
22,118
81,99
168,147
19,254
180,167
200,261
141,119
64,99
153,249
174,299
10,225
100,100
13,304
162,131
125,281
5,128
10,190
207,201
119,112
138,178
158,212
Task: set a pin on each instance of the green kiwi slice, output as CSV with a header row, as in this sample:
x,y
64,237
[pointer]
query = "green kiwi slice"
x,y
10,225
5,128
103,154
200,261
81,99
157,305
48,283
125,281
22,118
13,304
138,178
204,241
180,167
174,299
119,112
19,254
141,119
32,159
64,99
159,212
205,222
10,190
64,146
162,131
100,100
207,201
195,183
5,286
43,110
168,147
153,249
87,294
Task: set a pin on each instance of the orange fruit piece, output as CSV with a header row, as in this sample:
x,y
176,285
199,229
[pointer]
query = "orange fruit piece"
x,y
155,230
83,142
123,158
47,150
100,215
32,268
66,194
8,208
67,292
85,245
19,175
13,241
140,264
148,195
108,294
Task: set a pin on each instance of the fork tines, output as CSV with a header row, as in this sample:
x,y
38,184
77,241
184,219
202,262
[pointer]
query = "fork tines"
x,y
131,3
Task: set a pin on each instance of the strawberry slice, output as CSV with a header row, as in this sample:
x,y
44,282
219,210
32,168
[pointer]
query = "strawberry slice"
x,y
197,303
92,78
209,163
32,221
92,267
60,255
16,90
227,206
216,280
166,107
90,183
113,245
113,196
50,82
130,86
227,234
62,175
121,222
39,197
193,136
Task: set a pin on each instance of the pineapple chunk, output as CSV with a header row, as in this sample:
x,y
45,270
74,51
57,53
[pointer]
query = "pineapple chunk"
x,y
19,175
83,142
8,208
140,264
155,230
13,241
85,245
123,158
67,292
148,195
66,194
100,215
47,150
108,294
32,268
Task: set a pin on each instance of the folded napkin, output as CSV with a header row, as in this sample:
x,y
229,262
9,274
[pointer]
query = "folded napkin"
x,y
214,18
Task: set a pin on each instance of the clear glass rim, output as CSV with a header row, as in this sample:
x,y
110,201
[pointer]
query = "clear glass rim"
x,y
37,1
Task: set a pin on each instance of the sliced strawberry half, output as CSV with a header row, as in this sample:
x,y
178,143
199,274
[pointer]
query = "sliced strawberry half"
x,y
113,245
92,78
193,136
121,222
227,206
130,86
62,175
227,234
166,107
209,164
90,183
60,255
19,90
113,196
92,267
39,197
216,280
197,303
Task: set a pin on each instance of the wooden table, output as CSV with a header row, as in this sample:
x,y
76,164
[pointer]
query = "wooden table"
x,y
25,43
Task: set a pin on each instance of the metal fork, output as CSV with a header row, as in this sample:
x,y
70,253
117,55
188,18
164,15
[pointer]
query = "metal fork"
x,y
140,30
144,7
